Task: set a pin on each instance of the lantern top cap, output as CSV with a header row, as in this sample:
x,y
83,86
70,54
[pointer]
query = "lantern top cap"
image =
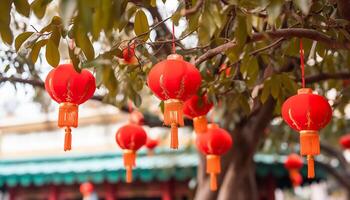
x,y
305,91
175,57
213,125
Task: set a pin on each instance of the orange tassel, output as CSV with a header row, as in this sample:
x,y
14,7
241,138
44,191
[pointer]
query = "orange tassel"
x,y
174,142
68,115
68,139
310,167
129,162
200,124
309,146
213,168
173,116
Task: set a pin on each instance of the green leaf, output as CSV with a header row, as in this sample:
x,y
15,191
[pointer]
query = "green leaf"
x,y
303,5
6,35
74,58
266,91
83,42
141,27
36,49
39,7
274,10
21,38
52,54
22,7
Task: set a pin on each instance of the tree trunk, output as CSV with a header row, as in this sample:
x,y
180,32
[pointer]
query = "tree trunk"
x,y
237,179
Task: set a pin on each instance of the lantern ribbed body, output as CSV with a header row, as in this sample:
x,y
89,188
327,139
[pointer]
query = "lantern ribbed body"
x,y
69,88
174,81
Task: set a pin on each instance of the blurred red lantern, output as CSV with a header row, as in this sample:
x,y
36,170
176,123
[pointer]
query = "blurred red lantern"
x,y
174,81
129,55
86,189
307,113
130,138
196,108
136,117
344,141
215,142
69,88
293,164
226,69
151,144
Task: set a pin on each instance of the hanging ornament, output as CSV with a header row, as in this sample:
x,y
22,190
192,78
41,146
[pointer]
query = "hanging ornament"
x,y
86,189
307,113
130,138
136,117
151,144
196,108
215,142
70,89
293,164
344,141
129,56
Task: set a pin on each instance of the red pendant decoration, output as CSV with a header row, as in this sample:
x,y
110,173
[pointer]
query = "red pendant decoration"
x,y
196,108
86,189
174,81
136,117
129,55
344,141
293,164
213,144
307,113
69,88
130,138
151,144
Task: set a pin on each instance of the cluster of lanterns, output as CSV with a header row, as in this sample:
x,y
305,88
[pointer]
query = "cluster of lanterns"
x,y
176,83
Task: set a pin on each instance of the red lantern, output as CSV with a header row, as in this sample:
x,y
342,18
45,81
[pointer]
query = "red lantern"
x,y
174,81
213,144
196,108
86,189
130,138
293,164
136,117
151,144
129,55
307,113
345,141
69,88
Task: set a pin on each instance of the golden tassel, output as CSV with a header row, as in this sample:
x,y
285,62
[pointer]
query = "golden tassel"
x,y
310,167
200,124
173,116
68,115
174,142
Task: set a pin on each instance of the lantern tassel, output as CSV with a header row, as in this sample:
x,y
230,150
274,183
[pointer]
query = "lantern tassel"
x,y
213,168
200,124
68,115
68,139
174,142
129,162
294,176
310,167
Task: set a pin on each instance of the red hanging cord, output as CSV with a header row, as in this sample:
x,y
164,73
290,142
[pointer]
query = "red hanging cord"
x,y
130,106
174,49
302,66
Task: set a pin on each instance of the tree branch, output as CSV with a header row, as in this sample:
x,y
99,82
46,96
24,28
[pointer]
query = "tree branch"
x,y
192,10
281,33
324,76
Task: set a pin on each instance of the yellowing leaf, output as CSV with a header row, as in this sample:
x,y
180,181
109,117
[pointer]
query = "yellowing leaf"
x,y
36,49
6,35
83,41
141,27
52,54
22,7
21,38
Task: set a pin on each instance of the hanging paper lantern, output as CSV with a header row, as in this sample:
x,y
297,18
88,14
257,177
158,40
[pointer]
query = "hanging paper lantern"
x,y
215,142
70,89
174,81
86,189
307,113
196,108
136,117
129,55
151,144
130,138
345,141
293,164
